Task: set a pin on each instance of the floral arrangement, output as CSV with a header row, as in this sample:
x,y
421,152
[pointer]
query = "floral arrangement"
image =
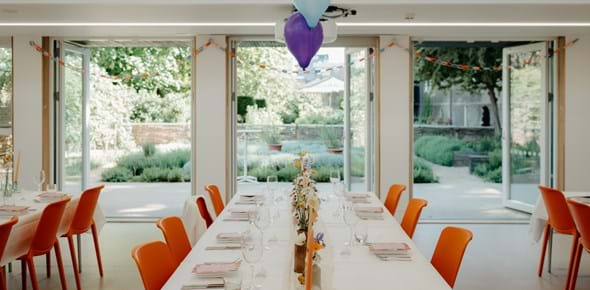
x,y
304,198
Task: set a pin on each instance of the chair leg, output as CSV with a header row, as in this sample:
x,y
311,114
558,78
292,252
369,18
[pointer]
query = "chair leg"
x,y
544,248
74,262
3,279
576,238
575,267
48,264
33,272
97,248
60,265
23,271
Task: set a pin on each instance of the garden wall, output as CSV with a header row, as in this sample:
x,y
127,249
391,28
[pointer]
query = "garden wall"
x,y
160,133
452,131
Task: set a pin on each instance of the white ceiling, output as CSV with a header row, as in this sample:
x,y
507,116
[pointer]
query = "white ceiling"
x,y
187,19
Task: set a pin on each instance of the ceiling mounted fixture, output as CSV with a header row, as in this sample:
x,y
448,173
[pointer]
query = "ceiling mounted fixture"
x,y
328,21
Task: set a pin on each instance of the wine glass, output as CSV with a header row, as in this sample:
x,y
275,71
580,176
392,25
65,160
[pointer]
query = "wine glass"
x,y
252,251
262,221
334,179
350,219
42,179
361,232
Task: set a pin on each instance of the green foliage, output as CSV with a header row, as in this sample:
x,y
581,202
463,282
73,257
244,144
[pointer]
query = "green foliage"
x,y
149,149
331,138
426,114
442,77
167,69
438,149
243,103
271,135
423,172
159,167
260,103
116,174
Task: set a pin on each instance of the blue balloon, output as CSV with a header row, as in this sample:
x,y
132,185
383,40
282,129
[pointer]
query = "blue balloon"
x,y
312,10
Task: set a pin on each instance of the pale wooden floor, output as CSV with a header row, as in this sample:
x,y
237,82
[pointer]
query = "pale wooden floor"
x,y
500,257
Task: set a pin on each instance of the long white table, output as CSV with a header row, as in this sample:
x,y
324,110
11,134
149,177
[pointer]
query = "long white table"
x,y
22,233
361,270
539,216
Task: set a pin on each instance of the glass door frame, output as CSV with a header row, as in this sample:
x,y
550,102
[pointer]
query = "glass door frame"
x,y
59,116
547,121
366,42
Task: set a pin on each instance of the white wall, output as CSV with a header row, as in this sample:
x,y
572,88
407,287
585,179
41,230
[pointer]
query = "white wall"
x,y
577,121
27,109
395,117
210,119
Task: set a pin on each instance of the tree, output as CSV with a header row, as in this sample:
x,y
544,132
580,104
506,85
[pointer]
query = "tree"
x,y
473,81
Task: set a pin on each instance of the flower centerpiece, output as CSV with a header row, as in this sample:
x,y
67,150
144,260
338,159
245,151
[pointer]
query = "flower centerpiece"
x,y
305,205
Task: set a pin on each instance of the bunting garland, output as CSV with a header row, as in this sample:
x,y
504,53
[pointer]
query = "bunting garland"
x,y
296,70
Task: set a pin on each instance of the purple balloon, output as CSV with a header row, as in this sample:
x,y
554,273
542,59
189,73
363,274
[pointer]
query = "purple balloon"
x,y
302,41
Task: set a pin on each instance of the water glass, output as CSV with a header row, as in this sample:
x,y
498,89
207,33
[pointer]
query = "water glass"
x,y
361,232
334,179
262,221
252,251
42,179
350,219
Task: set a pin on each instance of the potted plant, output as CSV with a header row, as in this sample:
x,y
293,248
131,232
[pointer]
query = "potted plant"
x,y
272,137
332,140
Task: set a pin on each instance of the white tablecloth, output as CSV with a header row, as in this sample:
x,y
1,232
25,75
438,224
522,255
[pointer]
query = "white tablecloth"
x,y
361,270
194,224
22,233
539,216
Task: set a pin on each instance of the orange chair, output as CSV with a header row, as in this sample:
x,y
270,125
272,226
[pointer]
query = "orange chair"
x,y
175,236
412,215
561,221
155,264
449,252
393,196
44,240
83,222
202,205
5,229
216,199
581,214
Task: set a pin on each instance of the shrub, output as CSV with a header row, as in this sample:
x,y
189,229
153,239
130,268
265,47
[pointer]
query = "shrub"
x,y
262,172
116,174
423,172
438,149
322,174
154,174
175,175
287,173
149,149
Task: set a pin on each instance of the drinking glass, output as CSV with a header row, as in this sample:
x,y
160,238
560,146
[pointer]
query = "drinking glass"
x,y
252,251
262,221
361,232
350,219
42,179
334,179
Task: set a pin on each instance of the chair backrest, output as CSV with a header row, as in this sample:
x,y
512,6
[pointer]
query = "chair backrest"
x,y
175,236
46,232
449,251
581,213
412,215
393,196
216,199
155,264
5,229
202,205
84,215
559,215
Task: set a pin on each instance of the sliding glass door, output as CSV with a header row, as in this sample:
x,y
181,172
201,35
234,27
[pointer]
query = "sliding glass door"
x,y
526,132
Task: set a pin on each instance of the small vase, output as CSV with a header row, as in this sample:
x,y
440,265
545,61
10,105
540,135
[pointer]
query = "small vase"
x,y
299,259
